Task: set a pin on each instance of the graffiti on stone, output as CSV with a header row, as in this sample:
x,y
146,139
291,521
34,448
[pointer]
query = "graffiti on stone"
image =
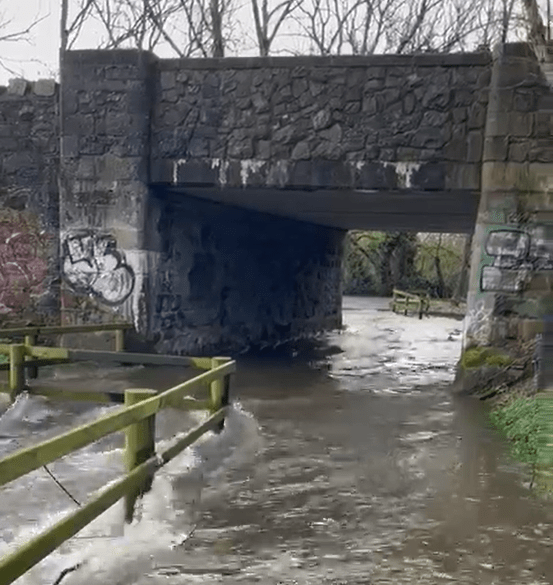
x,y
93,265
23,261
516,255
478,323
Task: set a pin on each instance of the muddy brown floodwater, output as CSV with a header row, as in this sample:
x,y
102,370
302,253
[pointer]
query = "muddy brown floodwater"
x,y
344,461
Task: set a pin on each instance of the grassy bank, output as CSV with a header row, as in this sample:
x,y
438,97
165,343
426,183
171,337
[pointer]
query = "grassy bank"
x,y
526,421
522,415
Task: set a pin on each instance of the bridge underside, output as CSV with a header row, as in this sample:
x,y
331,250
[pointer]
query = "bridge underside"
x,y
447,211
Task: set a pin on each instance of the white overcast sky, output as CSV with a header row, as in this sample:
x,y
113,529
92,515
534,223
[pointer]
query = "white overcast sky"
x,y
38,58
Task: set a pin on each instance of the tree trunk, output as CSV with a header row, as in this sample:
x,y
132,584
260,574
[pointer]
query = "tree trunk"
x,y
439,274
465,268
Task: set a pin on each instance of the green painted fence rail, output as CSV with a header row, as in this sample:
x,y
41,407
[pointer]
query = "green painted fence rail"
x,y
63,329
25,460
137,418
402,300
26,358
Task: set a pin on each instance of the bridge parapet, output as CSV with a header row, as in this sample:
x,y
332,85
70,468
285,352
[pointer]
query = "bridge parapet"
x,y
379,122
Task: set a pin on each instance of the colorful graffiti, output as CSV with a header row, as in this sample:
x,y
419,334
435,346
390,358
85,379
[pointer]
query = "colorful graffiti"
x,y
93,265
23,261
516,254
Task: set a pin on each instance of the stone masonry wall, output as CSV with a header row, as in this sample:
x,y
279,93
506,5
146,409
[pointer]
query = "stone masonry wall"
x,y
379,122
230,279
511,280
29,222
106,104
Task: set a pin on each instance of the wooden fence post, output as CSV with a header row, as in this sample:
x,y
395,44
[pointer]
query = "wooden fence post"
x,y
139,447
119,340
31,340
220,390
17,372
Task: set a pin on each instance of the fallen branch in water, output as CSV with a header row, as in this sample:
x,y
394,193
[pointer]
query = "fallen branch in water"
x,y
67,571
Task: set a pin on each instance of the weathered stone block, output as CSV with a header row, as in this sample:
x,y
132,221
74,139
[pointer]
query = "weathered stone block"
x,y
117,124
16,161
520,124
477,116
70,146
429,176
463,176
496,148
409,104
541,154
333,134
44,87
543,124
263,149
475,146
196,171
519,151
370,105
301,151
315,88
299,86
240,146
429,138
463,97
260,104
120,72
86,168
79,125
525,101
434,118
18,86
168,80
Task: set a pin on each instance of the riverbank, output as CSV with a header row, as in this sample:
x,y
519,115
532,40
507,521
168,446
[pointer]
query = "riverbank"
x,y
491,373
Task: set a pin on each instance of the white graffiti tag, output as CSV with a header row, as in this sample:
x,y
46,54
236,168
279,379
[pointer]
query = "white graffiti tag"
x,y
93,265
478,322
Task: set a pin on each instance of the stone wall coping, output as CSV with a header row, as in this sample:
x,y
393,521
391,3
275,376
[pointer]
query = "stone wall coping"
x,y
129,56
19,87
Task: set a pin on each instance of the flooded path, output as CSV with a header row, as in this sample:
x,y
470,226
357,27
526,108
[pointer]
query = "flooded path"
x,y
345,461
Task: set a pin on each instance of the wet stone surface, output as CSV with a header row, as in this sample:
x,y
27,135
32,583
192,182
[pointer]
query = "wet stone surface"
x,y
343,462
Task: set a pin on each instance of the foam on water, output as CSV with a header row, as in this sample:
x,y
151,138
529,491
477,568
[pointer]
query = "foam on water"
x,y
107,550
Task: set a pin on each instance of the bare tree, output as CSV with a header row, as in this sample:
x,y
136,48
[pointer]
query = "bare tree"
x,y
536,27
11,34
264,15
188,27
404,26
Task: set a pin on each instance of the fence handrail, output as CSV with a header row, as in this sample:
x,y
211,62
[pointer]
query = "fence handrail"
x,y
61,329
64,353
403,299
410,295
30,458
13,565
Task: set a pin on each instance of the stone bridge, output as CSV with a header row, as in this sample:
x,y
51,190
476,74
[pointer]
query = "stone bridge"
x,y
207,200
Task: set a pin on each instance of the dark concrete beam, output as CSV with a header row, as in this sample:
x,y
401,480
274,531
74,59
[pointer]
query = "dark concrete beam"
x,y
408,210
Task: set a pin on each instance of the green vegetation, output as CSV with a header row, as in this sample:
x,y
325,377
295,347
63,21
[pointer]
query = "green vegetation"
x,y
377,262
476,357
518,421
528,425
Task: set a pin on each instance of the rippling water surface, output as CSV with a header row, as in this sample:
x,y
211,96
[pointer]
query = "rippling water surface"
x,y
344,461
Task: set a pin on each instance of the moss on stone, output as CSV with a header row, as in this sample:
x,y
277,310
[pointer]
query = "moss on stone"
x,y
477,357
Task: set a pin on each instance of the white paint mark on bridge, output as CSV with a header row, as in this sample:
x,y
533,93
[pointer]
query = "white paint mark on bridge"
x,y
222,165
176,166
404,172
247,167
